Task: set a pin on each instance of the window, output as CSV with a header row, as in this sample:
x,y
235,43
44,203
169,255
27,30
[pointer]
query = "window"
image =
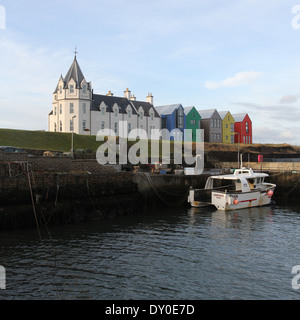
x,y
83,125
141,115
232,127
212,123
55,110
219,123
226,138
102,125
60,89
116,112
226,125
152,116
60,109
84,108
193,122
84,89
116,127
164,123
219,137
129,113
60,126
55,127
72,125
103,111
247,127
71,88
232,139
180,118
129,127
71,108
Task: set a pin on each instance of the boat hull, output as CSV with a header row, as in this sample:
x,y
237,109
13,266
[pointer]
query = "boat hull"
x,y
234,201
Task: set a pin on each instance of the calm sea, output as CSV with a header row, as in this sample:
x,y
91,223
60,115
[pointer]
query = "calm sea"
x,y
184,253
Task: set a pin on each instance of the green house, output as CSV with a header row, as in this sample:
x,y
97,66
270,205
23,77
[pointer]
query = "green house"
x,y
193,122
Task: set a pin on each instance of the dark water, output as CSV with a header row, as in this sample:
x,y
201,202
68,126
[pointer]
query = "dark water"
x,y
175,254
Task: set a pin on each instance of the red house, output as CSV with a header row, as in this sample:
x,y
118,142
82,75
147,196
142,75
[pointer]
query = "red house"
x,y
242,128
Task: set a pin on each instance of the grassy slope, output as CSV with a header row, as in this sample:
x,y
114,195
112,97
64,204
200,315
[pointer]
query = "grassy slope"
x,y
53,141
56,141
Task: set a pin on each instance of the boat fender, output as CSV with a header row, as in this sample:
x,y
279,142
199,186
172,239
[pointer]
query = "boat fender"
x,y
236,202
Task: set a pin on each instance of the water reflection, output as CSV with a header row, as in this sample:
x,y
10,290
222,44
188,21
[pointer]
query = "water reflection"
x,y
239,219
182,253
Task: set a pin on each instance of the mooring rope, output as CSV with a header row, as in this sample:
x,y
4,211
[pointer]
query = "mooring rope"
x,y
157,191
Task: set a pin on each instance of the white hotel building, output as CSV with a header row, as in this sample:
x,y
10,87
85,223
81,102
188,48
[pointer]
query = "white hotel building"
x,y
76,108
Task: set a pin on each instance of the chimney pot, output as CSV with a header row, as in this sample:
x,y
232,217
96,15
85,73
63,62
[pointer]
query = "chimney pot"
x,y
127,94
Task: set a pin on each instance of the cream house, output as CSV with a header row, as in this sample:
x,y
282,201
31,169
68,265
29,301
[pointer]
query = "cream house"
x,y
76,108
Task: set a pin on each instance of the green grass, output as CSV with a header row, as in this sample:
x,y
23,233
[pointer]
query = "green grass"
x,y
53,141
56,141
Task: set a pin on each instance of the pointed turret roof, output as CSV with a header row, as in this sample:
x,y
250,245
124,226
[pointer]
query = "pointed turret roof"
x,y
74,73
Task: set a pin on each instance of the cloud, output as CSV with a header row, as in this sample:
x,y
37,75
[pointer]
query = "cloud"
x,y
277,112
289,99
239,79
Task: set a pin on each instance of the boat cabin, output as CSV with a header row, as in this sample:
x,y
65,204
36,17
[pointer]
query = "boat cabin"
x,y
242,180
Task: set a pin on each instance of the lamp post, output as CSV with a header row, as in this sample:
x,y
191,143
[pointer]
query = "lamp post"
x,y
72,143
238,148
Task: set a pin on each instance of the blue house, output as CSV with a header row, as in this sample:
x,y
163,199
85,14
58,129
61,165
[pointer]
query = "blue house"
x,y
173,117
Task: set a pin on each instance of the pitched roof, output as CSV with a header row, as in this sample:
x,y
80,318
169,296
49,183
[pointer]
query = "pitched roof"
x,y
206,114
110,101
74,73
239,117
169,109
223,114
187,110
146,107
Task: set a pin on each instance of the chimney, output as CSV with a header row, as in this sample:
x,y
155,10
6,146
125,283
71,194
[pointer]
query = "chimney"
x,y
110,94
150,98
133,98
127,94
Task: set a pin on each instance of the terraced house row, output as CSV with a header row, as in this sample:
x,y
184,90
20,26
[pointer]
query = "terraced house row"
x,y
77,109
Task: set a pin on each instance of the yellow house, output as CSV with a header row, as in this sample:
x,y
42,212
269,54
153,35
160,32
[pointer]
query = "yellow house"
x,y
227,126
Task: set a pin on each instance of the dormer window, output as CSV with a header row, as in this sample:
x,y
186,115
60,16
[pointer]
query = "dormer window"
x,y
60,89
71,88
116,112
141,115
84,89
152,116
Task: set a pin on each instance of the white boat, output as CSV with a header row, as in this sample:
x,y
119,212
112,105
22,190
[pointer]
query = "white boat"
x,y
242,189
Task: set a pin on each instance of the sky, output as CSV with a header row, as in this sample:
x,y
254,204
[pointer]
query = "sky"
x,y
241,56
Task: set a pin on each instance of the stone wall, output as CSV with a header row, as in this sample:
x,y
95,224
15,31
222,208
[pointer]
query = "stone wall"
x,y
265,166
